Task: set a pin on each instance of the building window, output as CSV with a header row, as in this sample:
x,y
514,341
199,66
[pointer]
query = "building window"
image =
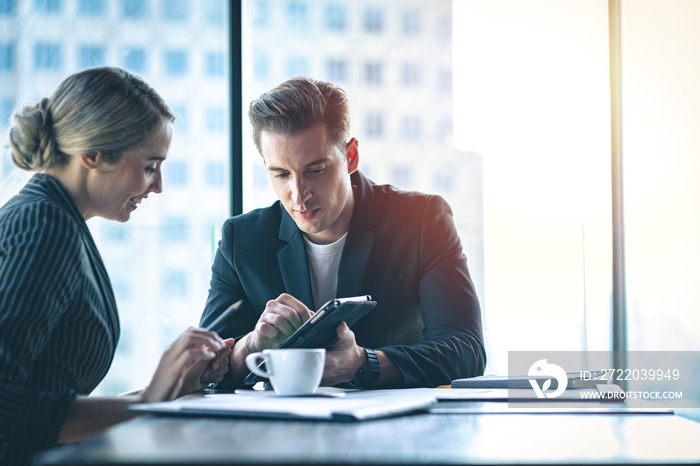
x,y
297,16
444,81
410,23
261,66
174,284
411,127
48,6
7,57
48,56
444,29
297,66
91,7
214,62
175,10
444,179
175,173
6,108
444,129
89,56
374,125
215,174
402,177
216,119
260,13
373,21
336,70
174,229
181,123
134,9
134,59
215,12
176,62
373,73
335,18
7,7
410,75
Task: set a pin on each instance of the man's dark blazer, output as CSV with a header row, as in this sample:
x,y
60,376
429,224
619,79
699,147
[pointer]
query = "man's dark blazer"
x,y
402,249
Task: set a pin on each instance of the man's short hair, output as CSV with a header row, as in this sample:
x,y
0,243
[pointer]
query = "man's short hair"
x,y
300,103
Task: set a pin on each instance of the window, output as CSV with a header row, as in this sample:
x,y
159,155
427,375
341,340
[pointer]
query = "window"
x,y
261,66
297,66
7,57
48,6
175,173
134,9
216,119
176,63
91,7
444,81
373,21
373,73
214,174
6,109
411,127
91,55
7,7
374,126
134,59
410,23
135,35
336,70
175,10
410,75
174,284
402,177
335,17
181,117
215,12
260,13
48,56
175,230
297,15
214,64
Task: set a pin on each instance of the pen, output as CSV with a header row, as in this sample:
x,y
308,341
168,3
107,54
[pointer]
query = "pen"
x,y
224,315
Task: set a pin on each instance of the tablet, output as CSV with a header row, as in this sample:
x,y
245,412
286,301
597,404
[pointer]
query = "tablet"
x,y
320,330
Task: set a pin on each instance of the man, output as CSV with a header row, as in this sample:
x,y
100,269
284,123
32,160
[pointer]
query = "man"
x,y
333,233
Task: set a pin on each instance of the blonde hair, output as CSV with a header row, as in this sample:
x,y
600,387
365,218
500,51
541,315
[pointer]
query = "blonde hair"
x,y
300,103
104,109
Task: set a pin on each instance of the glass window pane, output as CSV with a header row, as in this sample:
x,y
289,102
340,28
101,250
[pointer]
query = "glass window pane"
x,y
160,260
536,126
660,116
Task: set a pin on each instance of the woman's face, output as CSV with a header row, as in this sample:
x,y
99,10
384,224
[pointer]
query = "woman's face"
x,y
116,190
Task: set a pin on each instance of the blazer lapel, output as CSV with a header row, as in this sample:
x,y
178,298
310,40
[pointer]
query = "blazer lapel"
x,y
294,267
358,247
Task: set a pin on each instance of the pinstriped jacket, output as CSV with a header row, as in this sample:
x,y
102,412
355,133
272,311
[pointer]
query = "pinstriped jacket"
x,y
58,318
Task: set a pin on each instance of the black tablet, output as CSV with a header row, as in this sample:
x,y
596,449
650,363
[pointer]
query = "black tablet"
x,y
320,330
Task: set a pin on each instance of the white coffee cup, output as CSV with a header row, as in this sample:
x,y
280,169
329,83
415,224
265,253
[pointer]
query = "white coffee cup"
x,y
292,371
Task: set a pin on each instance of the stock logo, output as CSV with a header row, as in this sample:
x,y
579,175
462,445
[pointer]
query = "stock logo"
x,y
541,369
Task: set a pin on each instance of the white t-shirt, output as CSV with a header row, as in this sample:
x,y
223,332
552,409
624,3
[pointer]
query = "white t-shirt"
x,y
324,262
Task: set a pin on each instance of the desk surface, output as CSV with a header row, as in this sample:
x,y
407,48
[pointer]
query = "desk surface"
x,y
426,438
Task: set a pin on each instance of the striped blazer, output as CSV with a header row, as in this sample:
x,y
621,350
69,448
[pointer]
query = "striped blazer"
x,y
58,318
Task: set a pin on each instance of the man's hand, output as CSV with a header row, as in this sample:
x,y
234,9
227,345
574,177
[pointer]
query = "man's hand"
x,y
281,317
344,358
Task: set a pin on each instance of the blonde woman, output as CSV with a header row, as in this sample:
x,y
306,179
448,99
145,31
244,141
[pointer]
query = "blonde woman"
x,y
97,146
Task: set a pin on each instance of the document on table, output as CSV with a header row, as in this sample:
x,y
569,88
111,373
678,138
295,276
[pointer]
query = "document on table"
x,y
354,406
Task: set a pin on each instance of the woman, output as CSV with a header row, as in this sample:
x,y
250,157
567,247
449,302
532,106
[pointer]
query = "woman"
x,y
97,144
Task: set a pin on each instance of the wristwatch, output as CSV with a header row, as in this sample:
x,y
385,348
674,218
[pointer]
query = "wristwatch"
x,y
369,373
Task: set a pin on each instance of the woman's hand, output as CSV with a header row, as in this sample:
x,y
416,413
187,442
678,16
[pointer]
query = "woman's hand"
x,y
218,367
182,365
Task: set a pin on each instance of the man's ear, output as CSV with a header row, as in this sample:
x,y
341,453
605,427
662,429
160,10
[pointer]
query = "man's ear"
x,y
353,154
91,160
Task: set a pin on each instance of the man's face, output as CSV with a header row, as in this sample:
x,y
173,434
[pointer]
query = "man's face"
x,y
310,175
